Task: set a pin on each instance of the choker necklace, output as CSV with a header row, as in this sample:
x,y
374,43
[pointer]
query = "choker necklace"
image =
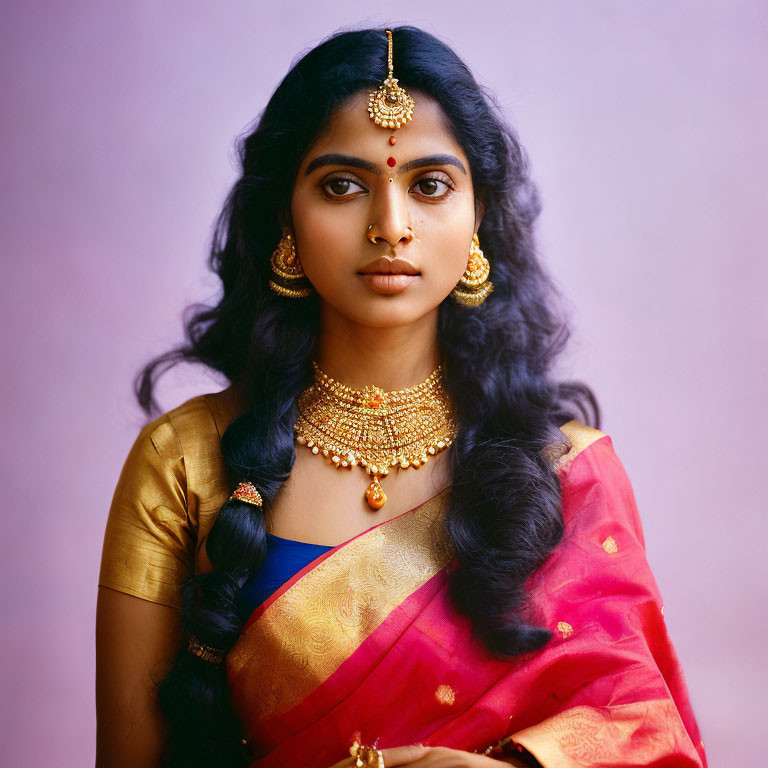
x,y
375,428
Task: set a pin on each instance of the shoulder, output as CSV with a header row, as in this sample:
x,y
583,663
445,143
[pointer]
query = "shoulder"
x,y
211,412
198,420
596,488
580,437
184,443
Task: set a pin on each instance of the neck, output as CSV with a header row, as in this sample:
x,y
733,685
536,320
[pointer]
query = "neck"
x,y
389,358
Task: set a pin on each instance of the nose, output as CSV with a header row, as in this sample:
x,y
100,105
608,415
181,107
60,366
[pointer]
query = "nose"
x,y
390,216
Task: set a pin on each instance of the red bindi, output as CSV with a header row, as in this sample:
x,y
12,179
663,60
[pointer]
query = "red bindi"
x,y
391,162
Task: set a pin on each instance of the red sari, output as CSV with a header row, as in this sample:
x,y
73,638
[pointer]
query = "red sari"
x,y
364,642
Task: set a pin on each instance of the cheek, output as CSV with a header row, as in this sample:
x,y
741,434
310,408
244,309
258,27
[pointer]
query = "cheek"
x,y
310,216
447,251
325,241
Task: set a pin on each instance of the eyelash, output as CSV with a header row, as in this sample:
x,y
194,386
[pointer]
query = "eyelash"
x,y
328,181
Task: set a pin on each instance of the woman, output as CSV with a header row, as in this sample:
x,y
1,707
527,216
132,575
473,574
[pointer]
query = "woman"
x,y
383,310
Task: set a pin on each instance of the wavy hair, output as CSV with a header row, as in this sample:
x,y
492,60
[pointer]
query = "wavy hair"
x,y
504,516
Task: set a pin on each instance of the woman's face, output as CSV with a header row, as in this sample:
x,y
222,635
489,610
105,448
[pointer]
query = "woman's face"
x,y
417,194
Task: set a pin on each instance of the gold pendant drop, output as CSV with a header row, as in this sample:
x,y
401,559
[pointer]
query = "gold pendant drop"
x,y
375,495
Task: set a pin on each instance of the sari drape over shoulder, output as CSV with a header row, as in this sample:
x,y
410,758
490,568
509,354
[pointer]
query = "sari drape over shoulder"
x,y
364,642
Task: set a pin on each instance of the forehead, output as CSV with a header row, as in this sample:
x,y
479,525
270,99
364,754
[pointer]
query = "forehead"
x,y
350,130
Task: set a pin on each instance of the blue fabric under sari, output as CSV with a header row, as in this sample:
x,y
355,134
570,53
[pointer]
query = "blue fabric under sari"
x,y
285,557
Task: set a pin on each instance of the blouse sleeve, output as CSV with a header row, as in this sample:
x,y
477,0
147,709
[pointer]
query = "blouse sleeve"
x,y
149,540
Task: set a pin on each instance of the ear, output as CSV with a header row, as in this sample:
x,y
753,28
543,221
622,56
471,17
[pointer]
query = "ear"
x,y
284,219
479,213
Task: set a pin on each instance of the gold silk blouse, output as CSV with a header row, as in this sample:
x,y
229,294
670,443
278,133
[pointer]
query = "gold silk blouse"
x,y
170,490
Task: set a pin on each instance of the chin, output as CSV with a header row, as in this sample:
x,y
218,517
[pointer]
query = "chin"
x,y
388,312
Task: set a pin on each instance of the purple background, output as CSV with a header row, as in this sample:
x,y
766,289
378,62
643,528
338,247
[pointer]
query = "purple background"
x,y
646,126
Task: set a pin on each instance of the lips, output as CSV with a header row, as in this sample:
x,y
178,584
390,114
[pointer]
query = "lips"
x,y
385,266
387,283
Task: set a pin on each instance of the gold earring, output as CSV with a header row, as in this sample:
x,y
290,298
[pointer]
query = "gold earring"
x,y
475,278
289,278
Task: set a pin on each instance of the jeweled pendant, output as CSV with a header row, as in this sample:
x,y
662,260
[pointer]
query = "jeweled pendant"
x,y
375,495
389,105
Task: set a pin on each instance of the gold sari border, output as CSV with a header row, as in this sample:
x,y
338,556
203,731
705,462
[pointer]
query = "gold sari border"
x,y
312,564
312,627
634,734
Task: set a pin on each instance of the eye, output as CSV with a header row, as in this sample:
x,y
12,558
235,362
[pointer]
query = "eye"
x,y
338,185
430,185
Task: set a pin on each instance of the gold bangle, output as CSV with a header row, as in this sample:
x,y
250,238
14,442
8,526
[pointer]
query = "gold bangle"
x,y
505,746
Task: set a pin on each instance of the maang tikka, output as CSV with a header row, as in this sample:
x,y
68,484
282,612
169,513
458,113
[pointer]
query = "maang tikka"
x,y
389,105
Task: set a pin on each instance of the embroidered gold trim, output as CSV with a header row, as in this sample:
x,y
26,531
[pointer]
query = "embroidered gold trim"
x,y
585,735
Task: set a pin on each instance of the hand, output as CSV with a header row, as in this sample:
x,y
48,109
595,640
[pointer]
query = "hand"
x,y
418,756
393,756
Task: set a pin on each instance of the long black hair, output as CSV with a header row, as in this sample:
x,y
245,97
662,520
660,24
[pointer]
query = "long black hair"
x,y
504,516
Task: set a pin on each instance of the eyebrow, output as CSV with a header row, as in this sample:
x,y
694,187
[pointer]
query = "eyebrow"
x,y
335,158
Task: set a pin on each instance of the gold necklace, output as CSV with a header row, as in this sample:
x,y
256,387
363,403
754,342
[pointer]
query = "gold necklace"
x,y
375,428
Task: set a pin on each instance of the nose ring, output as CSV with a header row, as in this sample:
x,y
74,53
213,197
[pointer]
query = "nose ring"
x,y
374,239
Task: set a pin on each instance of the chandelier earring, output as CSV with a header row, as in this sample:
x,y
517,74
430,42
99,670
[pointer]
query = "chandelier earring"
x,y
474,287
288,277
